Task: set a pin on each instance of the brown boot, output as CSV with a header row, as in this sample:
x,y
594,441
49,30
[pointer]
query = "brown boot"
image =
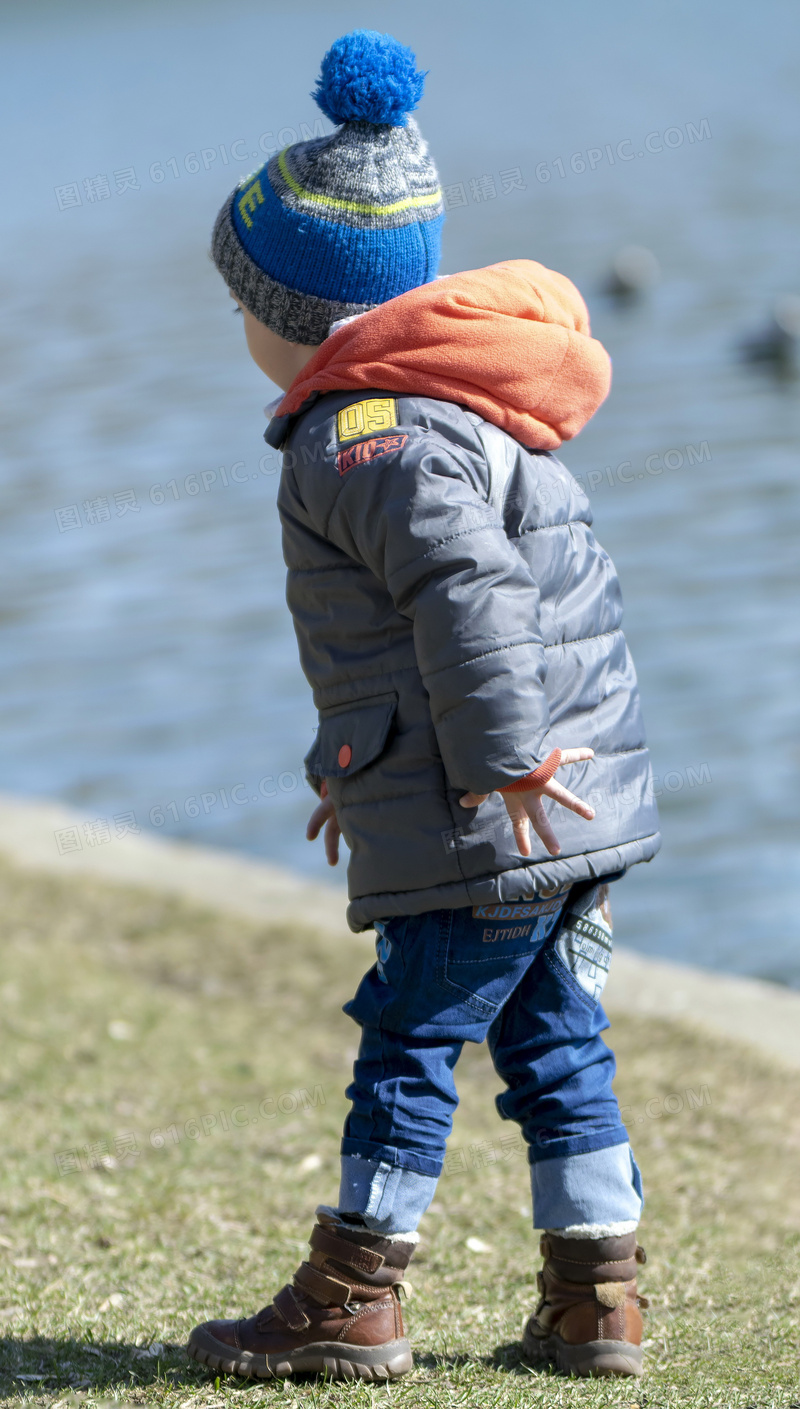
x,y
341,1315
588,1320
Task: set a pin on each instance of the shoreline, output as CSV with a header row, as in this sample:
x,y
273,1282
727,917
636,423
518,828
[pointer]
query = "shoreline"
x,y
755,1012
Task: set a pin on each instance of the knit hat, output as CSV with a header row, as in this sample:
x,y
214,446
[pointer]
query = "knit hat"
x,y
337,225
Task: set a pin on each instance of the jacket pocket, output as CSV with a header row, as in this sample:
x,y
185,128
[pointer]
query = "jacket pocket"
x,y
351,737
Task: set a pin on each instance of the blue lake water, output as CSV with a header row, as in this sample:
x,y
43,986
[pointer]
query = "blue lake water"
x,y
149,664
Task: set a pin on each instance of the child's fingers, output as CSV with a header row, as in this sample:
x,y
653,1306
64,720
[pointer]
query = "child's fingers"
x,y
527,812
332,841
568,799
575,756
541,825
318,819
519,820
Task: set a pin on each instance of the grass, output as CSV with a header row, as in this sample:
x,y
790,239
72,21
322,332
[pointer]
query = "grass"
x,y
131,1015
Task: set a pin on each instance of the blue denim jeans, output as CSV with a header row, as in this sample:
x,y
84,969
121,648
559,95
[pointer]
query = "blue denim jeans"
x,y
526,978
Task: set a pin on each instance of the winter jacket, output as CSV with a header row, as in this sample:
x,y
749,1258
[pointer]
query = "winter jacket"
x,y
456,618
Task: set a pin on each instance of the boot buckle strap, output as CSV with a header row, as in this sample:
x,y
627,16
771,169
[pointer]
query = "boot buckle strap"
x,y
324,1288
349,1254
287,1306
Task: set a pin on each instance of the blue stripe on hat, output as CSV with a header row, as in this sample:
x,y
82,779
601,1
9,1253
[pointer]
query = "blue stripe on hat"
x,y
337,261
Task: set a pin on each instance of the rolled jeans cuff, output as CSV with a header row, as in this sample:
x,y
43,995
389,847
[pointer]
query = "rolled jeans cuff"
x,y
389,1197
590,1190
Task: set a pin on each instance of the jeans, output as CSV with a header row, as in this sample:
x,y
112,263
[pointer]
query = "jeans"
x,y
526,978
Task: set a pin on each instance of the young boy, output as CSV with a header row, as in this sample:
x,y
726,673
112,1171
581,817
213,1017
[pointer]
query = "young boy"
x,y
460,628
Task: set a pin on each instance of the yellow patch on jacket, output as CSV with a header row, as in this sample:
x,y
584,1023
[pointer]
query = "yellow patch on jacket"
x,y
367,417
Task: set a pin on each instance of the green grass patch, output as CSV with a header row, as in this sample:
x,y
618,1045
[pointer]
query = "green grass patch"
x,y
171,1097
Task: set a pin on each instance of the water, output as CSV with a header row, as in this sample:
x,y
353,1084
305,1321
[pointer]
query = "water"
x,y
149,662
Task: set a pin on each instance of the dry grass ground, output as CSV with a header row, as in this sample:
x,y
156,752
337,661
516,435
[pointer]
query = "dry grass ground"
x,y
219,1050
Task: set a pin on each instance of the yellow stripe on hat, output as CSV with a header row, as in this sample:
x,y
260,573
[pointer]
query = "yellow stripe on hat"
x,y
356,207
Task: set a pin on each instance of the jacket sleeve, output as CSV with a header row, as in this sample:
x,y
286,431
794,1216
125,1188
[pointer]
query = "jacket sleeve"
x,y
418,519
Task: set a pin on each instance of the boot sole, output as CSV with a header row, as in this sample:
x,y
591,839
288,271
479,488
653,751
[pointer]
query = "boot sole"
x,y
337,1359
596,1359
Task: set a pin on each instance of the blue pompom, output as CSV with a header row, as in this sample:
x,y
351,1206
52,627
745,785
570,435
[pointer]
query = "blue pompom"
x,y
368,77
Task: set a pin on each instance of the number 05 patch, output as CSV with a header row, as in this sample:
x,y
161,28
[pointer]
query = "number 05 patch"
x,y
367,417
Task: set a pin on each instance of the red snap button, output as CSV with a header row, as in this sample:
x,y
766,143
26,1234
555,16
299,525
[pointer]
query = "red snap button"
x,y
345,754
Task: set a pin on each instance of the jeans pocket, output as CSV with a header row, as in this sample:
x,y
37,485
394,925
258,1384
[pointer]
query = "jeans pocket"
x,y
480,963
584,942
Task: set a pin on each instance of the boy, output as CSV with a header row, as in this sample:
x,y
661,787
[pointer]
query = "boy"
x,y
460,627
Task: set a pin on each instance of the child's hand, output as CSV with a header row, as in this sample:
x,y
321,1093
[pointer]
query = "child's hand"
x,y
526,807
324,816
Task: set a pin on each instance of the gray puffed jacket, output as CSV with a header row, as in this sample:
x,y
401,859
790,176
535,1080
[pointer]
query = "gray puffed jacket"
x,y
457,620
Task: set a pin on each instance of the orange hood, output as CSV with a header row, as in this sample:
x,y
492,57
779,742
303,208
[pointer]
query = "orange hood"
x,y
511,342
